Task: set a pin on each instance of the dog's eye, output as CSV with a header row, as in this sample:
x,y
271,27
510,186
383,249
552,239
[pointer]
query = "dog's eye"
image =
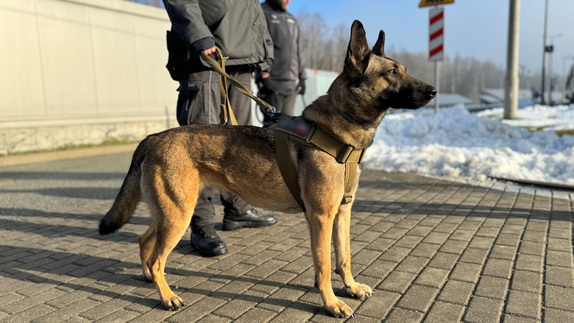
x,y
392,71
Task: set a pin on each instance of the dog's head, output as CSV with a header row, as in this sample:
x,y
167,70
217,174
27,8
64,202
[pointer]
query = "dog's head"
x,y
379,80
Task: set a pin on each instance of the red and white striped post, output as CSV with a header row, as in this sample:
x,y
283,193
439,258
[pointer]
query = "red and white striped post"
x,y
436,46
436,35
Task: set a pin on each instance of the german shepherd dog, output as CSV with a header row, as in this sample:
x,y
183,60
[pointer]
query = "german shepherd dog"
x,y
169,169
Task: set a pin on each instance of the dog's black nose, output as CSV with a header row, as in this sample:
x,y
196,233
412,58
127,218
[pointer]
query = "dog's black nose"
x,y
431,91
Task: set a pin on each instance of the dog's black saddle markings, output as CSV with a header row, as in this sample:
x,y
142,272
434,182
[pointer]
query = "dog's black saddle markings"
x,y
297,129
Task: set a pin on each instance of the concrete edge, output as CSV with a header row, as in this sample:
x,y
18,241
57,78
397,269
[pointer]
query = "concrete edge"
x,y
11,160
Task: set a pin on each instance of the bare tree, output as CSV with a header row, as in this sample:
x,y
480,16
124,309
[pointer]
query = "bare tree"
x,y
313,29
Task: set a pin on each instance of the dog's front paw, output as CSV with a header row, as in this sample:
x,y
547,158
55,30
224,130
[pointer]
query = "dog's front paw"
x,y
173,303
339,309
360,291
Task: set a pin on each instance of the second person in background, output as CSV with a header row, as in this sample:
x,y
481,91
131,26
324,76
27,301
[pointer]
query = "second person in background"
x,y
287,76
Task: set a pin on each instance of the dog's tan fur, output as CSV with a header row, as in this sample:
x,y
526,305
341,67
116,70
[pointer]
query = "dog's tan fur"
x,y
169,169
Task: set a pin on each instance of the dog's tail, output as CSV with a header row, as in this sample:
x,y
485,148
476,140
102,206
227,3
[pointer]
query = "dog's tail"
x,y
128,197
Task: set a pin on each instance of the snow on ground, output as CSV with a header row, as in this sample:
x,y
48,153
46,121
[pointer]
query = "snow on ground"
x,y
457,144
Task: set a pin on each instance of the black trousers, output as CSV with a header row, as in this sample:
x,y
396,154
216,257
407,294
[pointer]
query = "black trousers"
x,y
199,103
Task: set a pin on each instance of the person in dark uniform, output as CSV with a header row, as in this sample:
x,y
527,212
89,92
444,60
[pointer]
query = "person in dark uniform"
x,y
287,75
239,30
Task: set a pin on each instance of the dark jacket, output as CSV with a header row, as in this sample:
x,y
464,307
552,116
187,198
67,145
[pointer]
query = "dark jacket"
x,y
237,27
288,62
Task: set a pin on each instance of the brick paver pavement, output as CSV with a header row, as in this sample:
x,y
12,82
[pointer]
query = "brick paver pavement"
x,y
433,251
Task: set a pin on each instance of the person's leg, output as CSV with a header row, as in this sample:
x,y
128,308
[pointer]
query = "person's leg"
x,y
237,212
286,96
240,103
198,103
288,106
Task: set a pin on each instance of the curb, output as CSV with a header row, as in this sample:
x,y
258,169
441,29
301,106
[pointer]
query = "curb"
x,y
67,154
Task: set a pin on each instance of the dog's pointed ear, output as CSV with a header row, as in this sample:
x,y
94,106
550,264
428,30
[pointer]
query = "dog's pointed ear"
x,y
358,51
379,48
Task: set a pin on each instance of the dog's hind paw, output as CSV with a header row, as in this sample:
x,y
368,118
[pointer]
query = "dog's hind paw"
x,y
339,309
360,291
173,304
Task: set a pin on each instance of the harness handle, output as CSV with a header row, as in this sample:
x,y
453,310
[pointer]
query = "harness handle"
x,y
266,108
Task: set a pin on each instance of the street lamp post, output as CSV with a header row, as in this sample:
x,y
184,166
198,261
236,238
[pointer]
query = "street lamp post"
x,y
544,54
511,81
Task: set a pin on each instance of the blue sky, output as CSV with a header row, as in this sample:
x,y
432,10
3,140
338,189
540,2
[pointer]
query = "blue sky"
x,y
472,28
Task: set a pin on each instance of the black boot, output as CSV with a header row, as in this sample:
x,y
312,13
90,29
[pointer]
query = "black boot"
x,y
207,242
250,219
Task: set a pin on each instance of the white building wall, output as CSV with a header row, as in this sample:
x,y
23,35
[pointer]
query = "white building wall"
x,y
78,72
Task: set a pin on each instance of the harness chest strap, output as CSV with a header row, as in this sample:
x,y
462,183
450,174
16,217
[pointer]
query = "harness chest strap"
x,y
298,130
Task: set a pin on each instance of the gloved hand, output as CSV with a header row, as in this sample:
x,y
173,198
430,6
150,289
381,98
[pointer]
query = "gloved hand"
x,y
268,84
301,86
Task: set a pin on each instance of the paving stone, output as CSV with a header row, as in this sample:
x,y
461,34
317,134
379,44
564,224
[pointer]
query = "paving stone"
x,y
442,312
235,308
436,238
300,314
529,262
536,236
197,310
498,267
532,248
408,241
519,319
399,315
457,292
492,287
559,276
379,304
559,297
559,233
559,258
432,277
560,244
282,299
426,250
527,281
479,242
454,246
556,315
524,304
255,315
508,239
483,309
379,268
397,281
444,260
412,264
488,231
474,255
103,310
395,254
418,298
466,272
503,252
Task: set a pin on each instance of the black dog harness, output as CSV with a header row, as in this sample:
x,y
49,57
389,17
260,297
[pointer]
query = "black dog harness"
x,y
287,128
